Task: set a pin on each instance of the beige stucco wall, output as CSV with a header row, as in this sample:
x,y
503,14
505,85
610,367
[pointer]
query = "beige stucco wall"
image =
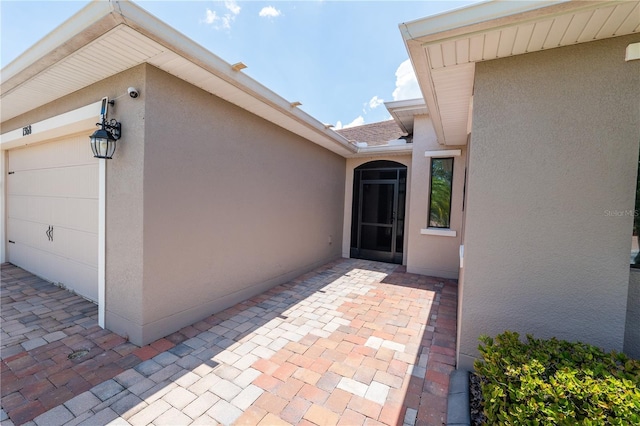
x,y
553,157
207,204
423,254
632,329
125,213
124,191
432,254
232,205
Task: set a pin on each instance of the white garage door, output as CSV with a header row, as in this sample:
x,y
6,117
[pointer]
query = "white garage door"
x,y
52,212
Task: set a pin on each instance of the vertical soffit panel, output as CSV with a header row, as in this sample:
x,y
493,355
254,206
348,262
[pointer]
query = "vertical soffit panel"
x,y
455,83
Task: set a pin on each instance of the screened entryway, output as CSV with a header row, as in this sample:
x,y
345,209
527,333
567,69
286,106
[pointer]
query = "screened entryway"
x,y
377,223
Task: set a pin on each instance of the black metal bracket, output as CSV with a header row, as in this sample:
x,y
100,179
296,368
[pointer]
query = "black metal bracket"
x,y
112,126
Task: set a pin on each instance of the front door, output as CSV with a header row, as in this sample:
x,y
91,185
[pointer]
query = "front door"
x,y
378,219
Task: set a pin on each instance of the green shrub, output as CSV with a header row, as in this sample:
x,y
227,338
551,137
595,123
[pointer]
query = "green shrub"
x,y
554,382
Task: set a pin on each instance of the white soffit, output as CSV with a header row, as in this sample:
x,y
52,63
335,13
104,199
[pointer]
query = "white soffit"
x,y
65,61
444,48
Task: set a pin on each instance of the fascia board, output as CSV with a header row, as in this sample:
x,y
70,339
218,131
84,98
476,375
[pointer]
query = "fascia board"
x,y
405,104
99,17
420,63
394,107
164,34
383,150
432,27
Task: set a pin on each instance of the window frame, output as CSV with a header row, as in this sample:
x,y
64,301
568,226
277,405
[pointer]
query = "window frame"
x,y
437,231
450,184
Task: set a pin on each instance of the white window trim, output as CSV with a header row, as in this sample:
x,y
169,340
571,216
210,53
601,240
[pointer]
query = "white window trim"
x,y
443,153
442,232
632,52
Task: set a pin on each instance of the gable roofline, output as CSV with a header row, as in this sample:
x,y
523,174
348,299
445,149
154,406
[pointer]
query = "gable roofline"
x,y
404,111
162,46
444,48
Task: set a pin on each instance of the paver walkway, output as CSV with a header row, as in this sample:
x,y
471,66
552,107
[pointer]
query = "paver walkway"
x,y
35,313
354,342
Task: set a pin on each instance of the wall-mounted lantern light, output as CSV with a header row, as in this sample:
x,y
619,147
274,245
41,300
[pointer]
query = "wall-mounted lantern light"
x,y
103,140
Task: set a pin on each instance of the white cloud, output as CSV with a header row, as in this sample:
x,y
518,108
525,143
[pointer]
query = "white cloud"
x,y
220,22
359,121
270,12
232,6
211,17
406,83
375,102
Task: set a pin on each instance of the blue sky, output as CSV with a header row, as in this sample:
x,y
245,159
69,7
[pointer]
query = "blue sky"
x,y
341,59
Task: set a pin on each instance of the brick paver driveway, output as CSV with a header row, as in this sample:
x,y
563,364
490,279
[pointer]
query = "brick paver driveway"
x,y
353,342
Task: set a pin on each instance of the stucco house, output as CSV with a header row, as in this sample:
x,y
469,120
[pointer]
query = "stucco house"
x,y
219,189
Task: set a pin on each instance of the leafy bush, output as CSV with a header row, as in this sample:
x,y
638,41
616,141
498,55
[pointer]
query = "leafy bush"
x,y
554,382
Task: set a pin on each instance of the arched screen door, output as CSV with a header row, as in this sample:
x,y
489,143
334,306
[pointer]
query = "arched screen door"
x,y
377,226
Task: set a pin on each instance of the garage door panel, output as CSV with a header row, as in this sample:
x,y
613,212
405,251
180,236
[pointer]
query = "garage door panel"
x,y
49,182
17,253
77,245
17,183
40,209
76,213
59,212
90,187
17,230
79,278
71,151
81,182
47,264
54,186
37,237
32,257
17,206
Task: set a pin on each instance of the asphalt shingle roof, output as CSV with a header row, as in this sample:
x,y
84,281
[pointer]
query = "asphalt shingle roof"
x,y
374,134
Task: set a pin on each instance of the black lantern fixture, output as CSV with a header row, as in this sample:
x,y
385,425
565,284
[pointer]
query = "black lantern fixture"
x,y
103,140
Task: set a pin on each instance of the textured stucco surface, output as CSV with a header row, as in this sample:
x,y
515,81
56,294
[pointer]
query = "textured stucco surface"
x,y
433,254
423,254
124,192
632,330
125,208
207,204
553,162
232,205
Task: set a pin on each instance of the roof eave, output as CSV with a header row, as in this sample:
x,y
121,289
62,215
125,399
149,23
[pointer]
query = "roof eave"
x,y
413,106
384,150
480,16
99,17
92,21
474,20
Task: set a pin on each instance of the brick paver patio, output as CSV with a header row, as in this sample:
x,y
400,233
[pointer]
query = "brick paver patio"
x,y
352,343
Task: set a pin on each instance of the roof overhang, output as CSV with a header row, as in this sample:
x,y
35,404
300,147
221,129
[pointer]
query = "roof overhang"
x,y
384,151
63,62
404,111
444,48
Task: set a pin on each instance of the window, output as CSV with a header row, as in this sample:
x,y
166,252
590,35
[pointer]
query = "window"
x,y
440,192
